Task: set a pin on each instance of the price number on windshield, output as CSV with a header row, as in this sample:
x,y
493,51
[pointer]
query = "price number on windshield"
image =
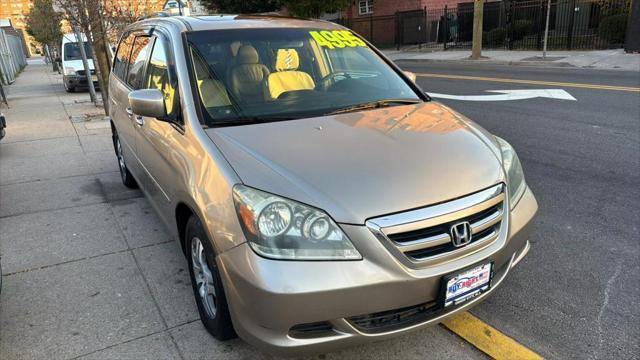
x,y
336,39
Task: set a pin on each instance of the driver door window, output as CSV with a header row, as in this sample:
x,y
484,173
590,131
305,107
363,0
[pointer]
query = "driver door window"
x,y
158,75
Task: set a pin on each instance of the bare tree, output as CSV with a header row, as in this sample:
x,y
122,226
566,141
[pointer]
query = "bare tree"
x,y
102,21
75,12
43,23
117,16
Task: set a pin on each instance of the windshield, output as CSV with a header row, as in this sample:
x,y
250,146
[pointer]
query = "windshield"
x,y
72,51
268,74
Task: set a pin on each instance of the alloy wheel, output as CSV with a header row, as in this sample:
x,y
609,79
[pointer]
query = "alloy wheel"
x,y
203,277
121,164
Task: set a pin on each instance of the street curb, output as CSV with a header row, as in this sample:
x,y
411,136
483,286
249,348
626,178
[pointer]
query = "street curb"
x,y
494,62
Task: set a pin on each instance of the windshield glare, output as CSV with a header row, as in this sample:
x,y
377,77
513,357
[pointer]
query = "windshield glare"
x,y
287,73
72,51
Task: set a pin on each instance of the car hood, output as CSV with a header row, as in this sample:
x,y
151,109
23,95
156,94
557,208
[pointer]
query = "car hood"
x,y
77,64
364,164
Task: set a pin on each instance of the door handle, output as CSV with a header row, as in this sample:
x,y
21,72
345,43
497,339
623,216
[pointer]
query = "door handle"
x,y
139,120
129,112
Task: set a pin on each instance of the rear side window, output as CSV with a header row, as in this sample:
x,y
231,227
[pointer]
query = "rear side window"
x,y
122,56
139,52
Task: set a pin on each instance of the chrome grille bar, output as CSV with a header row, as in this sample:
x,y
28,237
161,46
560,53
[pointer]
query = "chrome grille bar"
x,y
425,233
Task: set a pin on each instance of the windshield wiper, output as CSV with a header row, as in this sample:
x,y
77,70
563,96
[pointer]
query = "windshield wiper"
x,y
374,105
252,120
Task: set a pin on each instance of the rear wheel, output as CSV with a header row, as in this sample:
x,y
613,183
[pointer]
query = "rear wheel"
x,y
206,283
127,178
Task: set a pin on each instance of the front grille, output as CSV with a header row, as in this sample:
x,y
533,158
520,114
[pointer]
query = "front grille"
x,y
311,330
83,72
425,233
394,319
448,247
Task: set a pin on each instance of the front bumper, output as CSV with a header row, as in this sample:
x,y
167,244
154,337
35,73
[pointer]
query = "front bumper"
x,y
78,81
268,298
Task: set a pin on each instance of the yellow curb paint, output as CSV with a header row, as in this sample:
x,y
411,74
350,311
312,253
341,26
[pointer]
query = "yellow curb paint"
x,y
532,82
487,339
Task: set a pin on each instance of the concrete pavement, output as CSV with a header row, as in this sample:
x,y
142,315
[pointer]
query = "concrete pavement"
x,y
615,59
89,271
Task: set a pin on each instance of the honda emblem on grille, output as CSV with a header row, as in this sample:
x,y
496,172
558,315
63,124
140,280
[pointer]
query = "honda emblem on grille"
x,y
461,234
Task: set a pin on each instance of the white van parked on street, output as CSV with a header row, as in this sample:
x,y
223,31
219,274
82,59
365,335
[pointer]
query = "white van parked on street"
x,y
74,74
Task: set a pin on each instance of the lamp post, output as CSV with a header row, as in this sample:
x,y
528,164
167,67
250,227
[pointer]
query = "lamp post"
x,y
546,31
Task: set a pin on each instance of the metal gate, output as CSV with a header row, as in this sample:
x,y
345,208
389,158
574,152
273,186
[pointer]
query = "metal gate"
x,y
411,27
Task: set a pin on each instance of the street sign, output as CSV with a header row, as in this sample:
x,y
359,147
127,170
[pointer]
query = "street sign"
x,y
508,95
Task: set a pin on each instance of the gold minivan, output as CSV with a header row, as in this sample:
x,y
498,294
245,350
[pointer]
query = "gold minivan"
x,y
320,197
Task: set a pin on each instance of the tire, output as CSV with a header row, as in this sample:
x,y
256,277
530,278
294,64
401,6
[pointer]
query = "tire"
x,y
67,88
214,311
125,174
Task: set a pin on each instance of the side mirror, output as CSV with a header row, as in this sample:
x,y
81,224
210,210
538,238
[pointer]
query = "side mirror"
x,y
410,75
148,102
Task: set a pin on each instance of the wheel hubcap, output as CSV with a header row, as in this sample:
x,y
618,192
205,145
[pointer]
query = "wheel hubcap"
x,y
121,164
203,277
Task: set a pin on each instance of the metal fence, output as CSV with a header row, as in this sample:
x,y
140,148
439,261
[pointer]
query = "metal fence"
x,y
12,57
514,24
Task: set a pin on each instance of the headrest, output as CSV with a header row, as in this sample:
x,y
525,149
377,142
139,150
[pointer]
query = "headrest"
x,y
287,59
235,46
247,54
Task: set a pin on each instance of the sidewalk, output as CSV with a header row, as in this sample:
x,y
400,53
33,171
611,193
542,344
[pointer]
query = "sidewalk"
x,y
615,59
88,270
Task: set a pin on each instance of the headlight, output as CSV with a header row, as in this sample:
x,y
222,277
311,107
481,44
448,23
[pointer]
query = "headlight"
x,y
69,71
513,168
280,228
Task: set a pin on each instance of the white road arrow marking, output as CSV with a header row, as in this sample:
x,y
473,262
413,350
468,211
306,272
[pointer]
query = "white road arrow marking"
x,y
506,95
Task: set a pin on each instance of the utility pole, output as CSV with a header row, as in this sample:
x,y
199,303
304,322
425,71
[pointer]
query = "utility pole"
x,y
546,31
85,62
476,47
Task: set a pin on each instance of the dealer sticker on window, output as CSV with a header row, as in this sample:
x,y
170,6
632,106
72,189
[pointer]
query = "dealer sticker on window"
x,y
467,285
336,39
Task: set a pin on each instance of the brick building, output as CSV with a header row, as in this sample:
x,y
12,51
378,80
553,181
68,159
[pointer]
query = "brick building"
x,y
391,22
366,8
16,11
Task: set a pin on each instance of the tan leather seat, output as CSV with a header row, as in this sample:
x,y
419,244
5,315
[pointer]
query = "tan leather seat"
x,y
247,76
288,78
212,92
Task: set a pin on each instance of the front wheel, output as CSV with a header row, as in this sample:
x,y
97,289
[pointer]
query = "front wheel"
x,y
68,88
206,283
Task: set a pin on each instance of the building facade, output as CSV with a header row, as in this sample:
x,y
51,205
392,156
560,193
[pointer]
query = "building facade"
x,y
17,11
365,8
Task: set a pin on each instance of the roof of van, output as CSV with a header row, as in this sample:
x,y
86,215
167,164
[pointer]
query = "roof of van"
x,y
220,22
71,37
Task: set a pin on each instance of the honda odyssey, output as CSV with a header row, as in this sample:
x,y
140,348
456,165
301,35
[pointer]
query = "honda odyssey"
x,y
320,197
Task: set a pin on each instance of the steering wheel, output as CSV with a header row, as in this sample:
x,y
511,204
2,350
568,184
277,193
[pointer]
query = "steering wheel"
x,y
325,81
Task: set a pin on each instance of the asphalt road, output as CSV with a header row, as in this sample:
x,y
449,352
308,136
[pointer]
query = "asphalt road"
x,y
576,295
